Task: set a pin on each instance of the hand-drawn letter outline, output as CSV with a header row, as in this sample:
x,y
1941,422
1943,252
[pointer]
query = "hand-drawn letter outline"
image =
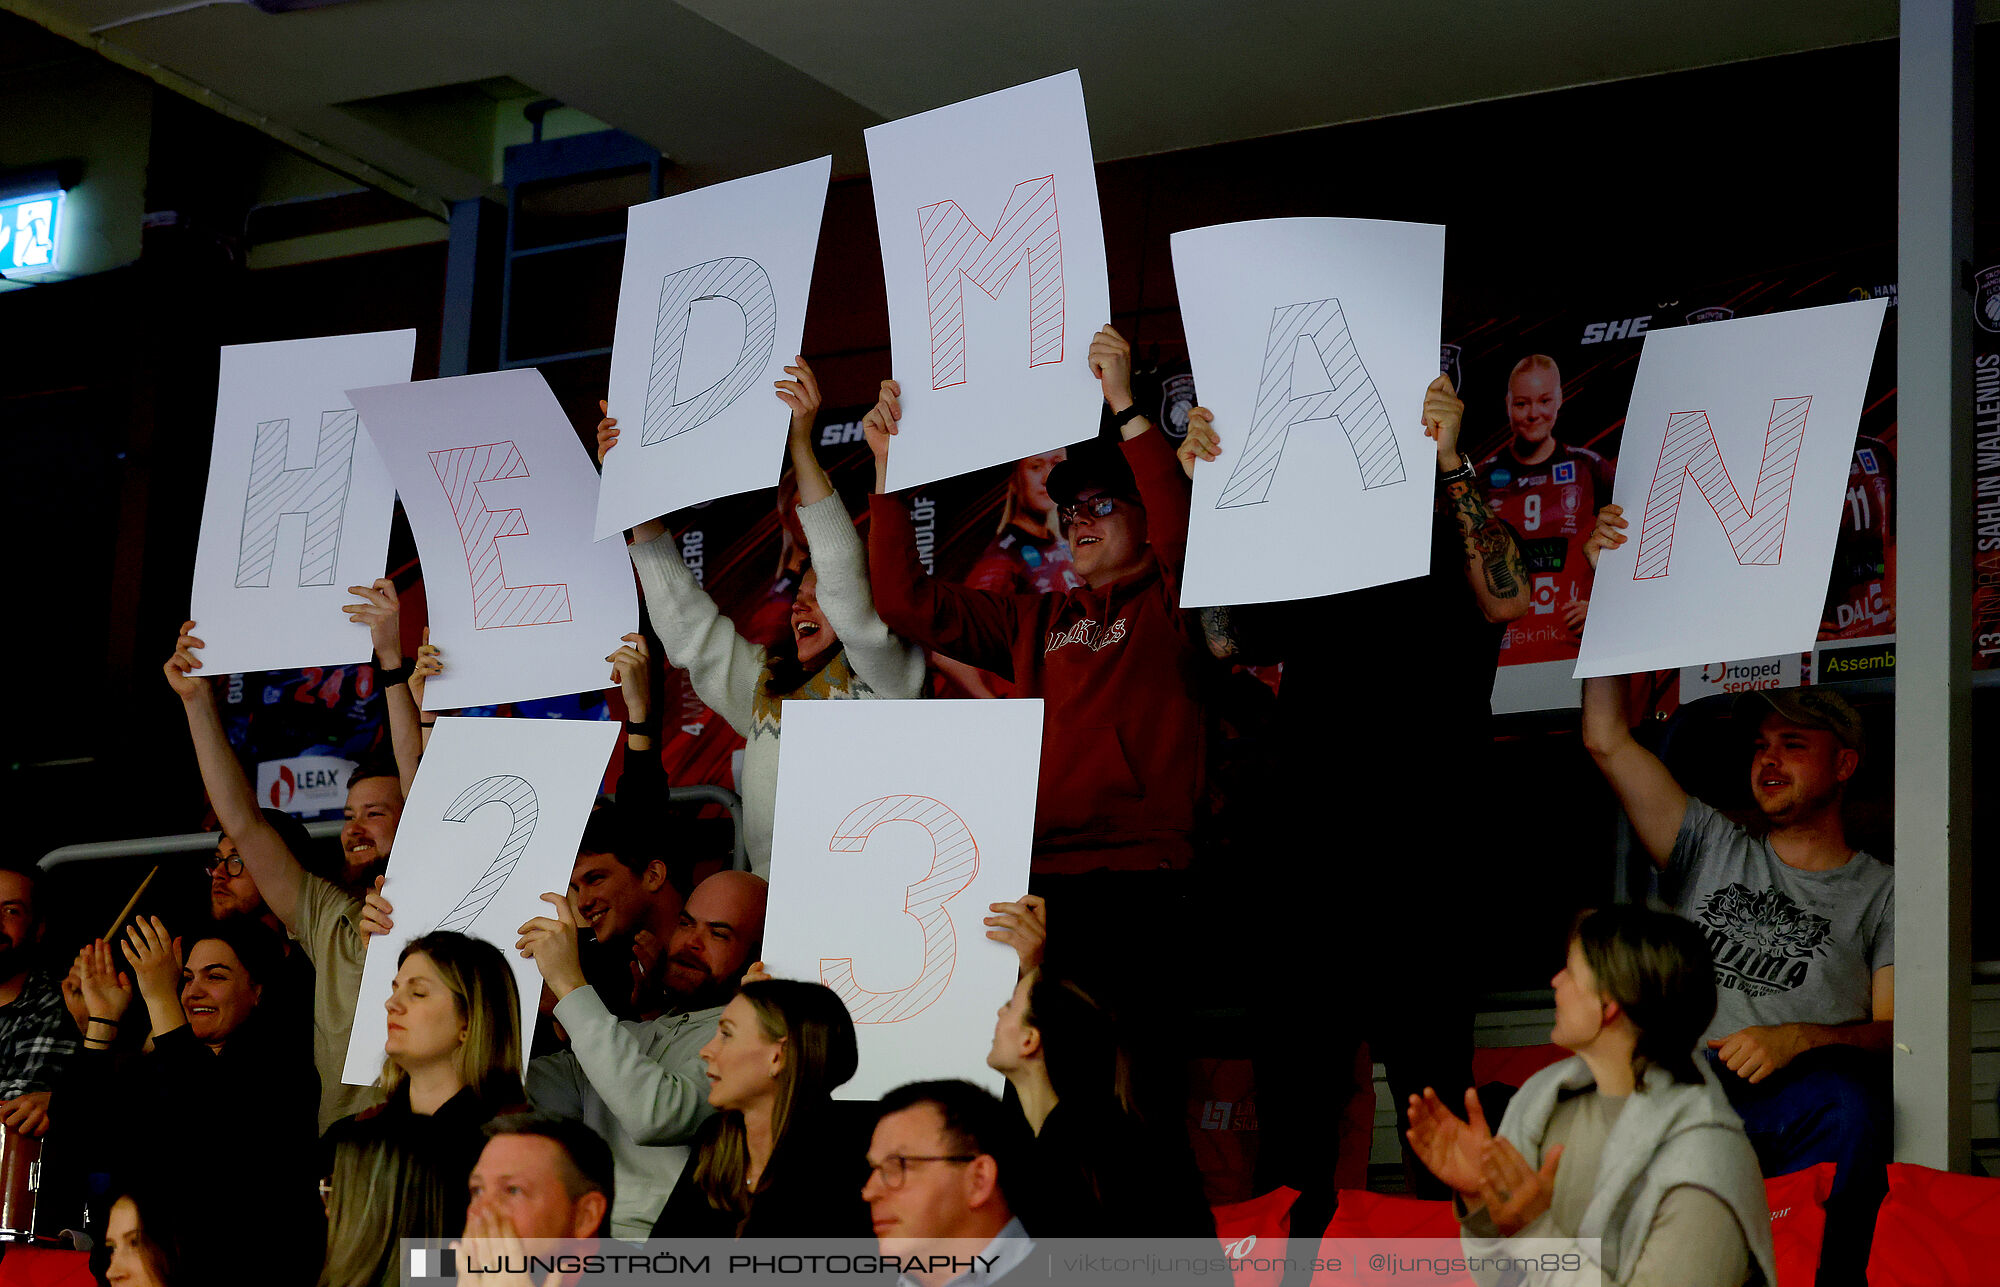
x,y
495,604
744,283
954,248
954,862
1689,450
318,491
1312,371
519,797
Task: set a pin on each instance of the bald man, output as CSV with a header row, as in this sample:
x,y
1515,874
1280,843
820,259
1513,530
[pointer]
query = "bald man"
x,y
1549,493
641,1084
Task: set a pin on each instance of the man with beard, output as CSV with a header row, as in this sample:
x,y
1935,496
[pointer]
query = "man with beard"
x,y
36,1038
641,1084
1802,928
324,917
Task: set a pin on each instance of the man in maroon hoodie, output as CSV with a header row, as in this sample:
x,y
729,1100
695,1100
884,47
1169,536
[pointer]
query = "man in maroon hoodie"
x,y
1119,665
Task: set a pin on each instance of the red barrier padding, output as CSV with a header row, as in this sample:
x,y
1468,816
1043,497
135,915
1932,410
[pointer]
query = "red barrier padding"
x,y
1257,1229
1936,1229
1798,1222
25,1266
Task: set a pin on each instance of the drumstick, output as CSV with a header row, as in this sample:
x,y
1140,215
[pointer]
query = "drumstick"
x,y
111,934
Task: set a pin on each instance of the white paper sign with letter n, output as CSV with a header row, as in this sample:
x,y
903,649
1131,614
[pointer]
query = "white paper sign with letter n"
x,y
1312,341
1732,477
524,602
711,310
898,823
298,503
492,824
993,256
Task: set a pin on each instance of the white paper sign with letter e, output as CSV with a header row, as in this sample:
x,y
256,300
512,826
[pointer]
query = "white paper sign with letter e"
x,y
298,503
711,310
1732,477
1312,341
524,601
898,824
993,255
492,824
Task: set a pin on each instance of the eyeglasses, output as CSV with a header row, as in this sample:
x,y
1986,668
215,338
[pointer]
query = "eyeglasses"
x,y
233,865
1095,507
894,1169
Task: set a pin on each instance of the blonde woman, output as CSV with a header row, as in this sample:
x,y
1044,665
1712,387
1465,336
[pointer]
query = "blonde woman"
x,y
780,1159
453,1063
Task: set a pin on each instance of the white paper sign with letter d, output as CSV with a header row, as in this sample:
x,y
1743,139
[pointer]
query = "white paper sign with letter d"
x,y
993,255
492,824
1732,477
711,310
1313,341
524,602
298,503
898,823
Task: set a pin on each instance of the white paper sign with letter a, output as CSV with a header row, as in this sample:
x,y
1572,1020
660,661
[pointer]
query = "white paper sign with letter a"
x,y
298,503
898,824
492,824
711,310
1732,477
1313,341
524,602
993,255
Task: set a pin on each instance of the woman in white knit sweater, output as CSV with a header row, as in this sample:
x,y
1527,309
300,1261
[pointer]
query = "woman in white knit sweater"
x,y
839,647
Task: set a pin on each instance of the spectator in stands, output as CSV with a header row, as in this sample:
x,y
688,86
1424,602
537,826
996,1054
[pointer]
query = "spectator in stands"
x,y
233,896
142,1119
1801,926
1118,663
453,1063
142,1244
1631,1141
837,647
630,906
945,1165
774,1162
543,1179
324,917
402,696
1444,626
1026,556
1100,1168
640,1084
35,1037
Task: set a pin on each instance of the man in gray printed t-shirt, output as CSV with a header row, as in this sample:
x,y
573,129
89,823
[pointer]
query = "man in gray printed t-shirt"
x,y
1802,929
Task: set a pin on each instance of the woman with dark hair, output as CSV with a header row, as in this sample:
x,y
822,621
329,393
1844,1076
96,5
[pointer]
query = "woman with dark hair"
x,y
1103,1170
836,647
219,1097
1631,1141
141,1242
453,1063
777,1161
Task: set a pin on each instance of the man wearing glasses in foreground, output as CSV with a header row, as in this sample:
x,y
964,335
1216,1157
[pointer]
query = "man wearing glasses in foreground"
x,y
941,1158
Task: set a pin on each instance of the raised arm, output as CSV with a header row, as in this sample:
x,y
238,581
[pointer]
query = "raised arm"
x,y
1163,487
975,626
1653,800
722,664
275,868
380,610
1493,564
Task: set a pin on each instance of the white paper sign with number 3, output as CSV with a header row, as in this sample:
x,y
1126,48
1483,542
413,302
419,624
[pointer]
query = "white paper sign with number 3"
x,y
492,824
898,824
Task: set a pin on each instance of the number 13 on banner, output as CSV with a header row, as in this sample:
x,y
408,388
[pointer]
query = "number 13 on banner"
x,y
954,862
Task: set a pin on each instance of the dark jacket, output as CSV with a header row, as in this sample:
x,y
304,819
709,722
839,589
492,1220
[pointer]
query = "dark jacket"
x,y
811,1187
447,1142
1120,668
1102,1173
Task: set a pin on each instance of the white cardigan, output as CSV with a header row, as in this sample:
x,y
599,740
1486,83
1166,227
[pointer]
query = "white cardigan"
x,y
728,670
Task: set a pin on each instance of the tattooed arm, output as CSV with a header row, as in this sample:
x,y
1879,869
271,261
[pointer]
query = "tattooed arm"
x,y
1493,564
1246,633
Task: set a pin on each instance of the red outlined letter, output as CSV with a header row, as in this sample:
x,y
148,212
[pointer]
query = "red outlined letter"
x,y
494,603
954,248
1757,533
954,862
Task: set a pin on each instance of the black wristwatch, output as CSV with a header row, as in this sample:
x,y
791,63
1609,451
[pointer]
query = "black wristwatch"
x,y
1465,473
1127,416
390,676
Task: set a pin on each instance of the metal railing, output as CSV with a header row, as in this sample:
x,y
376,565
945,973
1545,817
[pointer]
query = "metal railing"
x,y
200,841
